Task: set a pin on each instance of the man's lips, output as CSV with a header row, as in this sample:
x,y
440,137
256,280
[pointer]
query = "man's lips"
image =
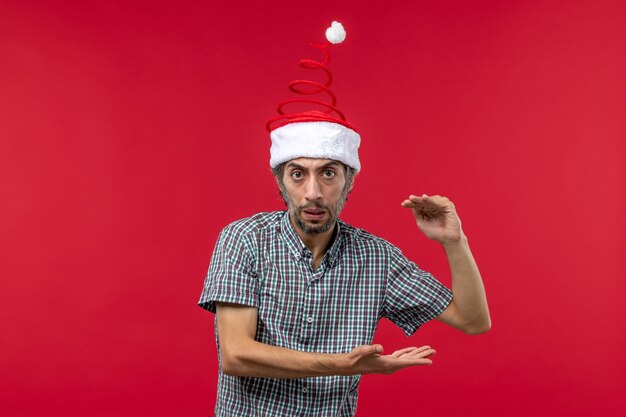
x,y
314,213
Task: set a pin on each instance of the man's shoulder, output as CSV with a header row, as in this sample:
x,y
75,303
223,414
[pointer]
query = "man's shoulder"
x,y
254,224
362,244
361,237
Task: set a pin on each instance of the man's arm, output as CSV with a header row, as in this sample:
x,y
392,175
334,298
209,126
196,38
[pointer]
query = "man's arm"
x,y
436,216
242,355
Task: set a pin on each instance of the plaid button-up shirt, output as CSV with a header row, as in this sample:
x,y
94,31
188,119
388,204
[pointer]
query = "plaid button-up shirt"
x,y
260,261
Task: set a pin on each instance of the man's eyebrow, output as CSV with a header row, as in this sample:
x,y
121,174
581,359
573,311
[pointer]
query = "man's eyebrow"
x,y
326,165
294,165
330,164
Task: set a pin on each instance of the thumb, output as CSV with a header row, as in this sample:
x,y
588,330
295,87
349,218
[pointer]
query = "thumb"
x,y
366,350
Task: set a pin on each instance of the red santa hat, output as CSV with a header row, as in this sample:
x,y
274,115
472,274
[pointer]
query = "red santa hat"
x,y
322,132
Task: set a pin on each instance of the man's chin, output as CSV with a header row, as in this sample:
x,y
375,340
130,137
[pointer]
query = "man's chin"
x,y
314,227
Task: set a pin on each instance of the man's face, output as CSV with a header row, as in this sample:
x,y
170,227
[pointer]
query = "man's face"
x,y
315,192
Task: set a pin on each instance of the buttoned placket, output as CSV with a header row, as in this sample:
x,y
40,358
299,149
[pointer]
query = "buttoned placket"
x,y
309,306
311,296
313,289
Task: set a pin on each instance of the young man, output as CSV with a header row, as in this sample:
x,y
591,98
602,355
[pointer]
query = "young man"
x,y
297,295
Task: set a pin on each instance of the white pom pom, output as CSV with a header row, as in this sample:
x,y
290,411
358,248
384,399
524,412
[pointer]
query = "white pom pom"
x,y
336,33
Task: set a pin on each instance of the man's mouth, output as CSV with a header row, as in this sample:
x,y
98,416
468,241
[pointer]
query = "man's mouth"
x,y
314,213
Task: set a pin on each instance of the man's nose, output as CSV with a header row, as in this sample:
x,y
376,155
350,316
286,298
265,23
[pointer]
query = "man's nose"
x,y
313,190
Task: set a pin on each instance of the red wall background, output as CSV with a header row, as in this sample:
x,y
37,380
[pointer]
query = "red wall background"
x,y
132,132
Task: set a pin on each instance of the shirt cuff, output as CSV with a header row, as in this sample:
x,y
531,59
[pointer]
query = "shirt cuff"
x,y
208,299
427,314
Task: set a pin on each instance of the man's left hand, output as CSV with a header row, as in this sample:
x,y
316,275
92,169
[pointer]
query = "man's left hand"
x,y
436,217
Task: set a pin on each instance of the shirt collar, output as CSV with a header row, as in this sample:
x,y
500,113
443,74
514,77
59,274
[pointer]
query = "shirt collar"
x,y
298,248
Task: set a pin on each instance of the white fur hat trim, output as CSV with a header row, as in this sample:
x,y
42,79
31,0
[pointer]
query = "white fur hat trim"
x,y
322,140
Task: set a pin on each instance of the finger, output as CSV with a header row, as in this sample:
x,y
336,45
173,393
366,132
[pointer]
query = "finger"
x,y
417,198
404,362
413,201
429,198
437,200
432,208
413,198
424,204
421,362
404,351
424,199
425,353
414,352
410,204
423,348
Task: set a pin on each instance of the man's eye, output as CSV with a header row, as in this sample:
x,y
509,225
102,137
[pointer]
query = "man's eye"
x,y
329,173
296,175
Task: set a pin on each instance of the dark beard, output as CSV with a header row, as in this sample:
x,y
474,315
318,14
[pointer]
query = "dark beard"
x,y
310,229
317,229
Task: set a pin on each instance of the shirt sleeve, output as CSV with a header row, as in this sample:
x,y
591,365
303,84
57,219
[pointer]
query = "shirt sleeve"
x,y
231,277
413,296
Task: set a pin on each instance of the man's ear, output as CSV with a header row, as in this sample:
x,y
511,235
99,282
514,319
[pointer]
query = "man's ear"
x,y
351,185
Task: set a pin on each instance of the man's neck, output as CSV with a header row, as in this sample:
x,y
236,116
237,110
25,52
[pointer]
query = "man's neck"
x,y
317,243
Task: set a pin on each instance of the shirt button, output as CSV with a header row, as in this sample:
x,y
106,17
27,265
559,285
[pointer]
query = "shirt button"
x,y
310,319
305,390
